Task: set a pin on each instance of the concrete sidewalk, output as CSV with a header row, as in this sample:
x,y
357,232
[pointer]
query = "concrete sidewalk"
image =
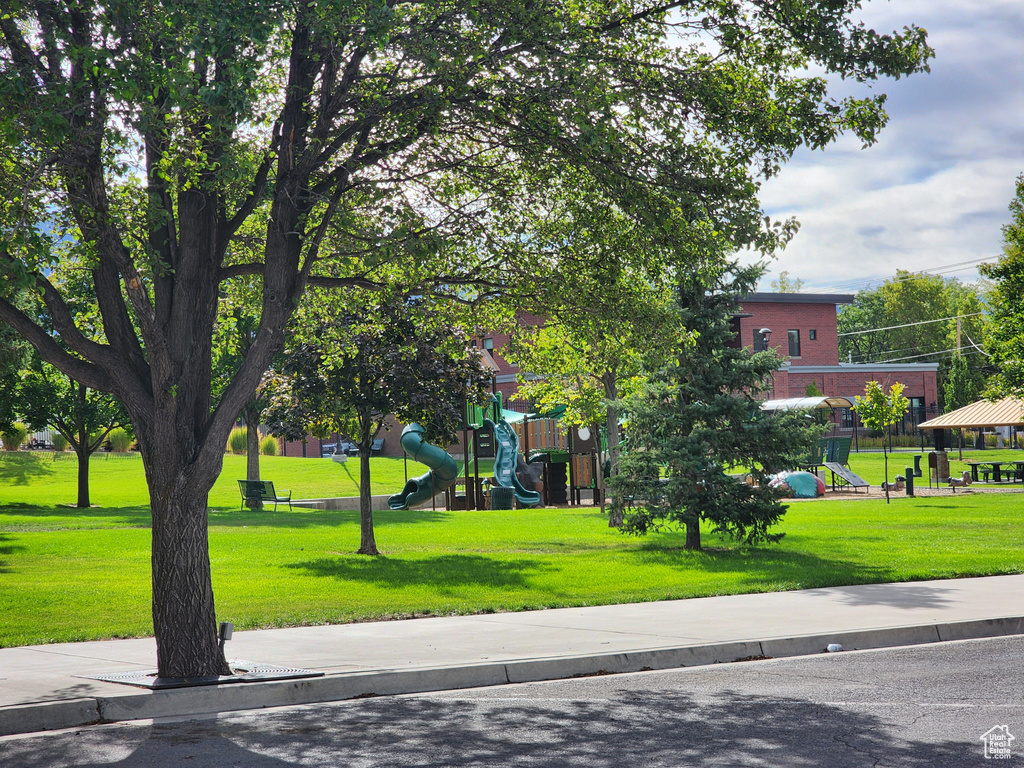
x,y
42,688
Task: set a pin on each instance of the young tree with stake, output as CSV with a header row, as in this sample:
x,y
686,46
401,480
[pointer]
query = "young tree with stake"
x,y
879,411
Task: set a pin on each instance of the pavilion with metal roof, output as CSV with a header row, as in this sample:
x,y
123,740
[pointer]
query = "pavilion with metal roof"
x,y
1008,412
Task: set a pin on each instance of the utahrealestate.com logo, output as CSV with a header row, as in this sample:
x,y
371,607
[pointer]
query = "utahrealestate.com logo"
x,y
997,743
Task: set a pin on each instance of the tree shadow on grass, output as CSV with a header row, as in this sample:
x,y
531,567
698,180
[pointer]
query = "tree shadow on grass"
x,y
441,571
115,517
764,566
309,518
6,549
18,469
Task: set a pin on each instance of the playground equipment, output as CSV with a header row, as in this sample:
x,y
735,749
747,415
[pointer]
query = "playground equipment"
x,y
492,431
443,470
506,454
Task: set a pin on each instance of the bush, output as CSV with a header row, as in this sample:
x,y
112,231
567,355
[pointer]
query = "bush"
x,y
268,446
120,440
60,443
14,437
237,441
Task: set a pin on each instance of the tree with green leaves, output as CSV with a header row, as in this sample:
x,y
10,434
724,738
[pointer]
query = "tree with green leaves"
x,y
13,354
879,410
49,398
44,397
611,312
348,373
960,389
1005,344
786,284
149,135
916,317
234,335
699,417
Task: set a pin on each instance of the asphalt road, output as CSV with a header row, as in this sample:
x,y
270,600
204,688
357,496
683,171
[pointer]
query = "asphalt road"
x,y
922,706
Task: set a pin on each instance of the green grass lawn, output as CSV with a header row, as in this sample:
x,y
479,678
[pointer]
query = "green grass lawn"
x,y
119,480
69,574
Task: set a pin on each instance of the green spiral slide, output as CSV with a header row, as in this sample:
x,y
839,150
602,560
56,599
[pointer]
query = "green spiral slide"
x,y
443,470
506,455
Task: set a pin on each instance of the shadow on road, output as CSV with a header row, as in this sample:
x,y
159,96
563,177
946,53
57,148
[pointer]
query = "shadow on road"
x,y
632,728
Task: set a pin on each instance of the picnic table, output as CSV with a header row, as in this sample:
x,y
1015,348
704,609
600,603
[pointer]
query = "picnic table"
x,y
1014,470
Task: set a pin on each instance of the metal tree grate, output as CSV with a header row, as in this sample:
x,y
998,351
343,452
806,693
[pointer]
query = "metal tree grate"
x,y
244,672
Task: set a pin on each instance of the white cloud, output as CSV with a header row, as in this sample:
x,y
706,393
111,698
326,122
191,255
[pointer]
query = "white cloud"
x,y
934,190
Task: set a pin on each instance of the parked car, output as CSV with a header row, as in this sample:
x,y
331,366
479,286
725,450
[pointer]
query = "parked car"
x,y
346,447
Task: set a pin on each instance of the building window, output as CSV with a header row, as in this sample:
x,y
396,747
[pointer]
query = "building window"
x,y
812,335
488,344
794,343
760,340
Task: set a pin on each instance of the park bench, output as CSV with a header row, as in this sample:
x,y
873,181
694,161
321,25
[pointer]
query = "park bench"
x,y
262,491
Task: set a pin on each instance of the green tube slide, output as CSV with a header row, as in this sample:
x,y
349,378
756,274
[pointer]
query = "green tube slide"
x,y
506,455
443,470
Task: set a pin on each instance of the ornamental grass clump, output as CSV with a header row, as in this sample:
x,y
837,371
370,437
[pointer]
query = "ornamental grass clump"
x,y
237,441
268,446
14,437
120,440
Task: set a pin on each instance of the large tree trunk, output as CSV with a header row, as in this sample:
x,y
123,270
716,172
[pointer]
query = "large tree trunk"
x,y
184,619
367,542
180,477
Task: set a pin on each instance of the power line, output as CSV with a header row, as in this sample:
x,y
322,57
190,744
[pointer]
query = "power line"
x,y
927,354
869,354
866,358
974,344
908,325
954,267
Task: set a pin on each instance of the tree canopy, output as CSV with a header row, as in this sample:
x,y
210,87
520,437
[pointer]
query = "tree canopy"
x,y
698,417
346,373
153,143
1006,340
920,318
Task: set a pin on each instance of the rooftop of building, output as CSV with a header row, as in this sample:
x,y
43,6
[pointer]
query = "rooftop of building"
x,y
798,298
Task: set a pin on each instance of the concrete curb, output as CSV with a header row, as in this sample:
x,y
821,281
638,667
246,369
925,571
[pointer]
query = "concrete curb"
x,y
182,702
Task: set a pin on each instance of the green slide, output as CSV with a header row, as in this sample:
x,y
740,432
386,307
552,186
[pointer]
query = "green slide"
x,y
506,453
443,470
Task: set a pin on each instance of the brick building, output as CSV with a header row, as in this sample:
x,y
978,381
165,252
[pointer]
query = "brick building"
x,y
803,329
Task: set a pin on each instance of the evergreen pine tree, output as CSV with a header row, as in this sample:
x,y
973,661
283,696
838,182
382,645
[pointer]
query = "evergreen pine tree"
x,y
700,416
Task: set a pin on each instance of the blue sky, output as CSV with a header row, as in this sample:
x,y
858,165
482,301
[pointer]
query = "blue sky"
x,y
933,192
